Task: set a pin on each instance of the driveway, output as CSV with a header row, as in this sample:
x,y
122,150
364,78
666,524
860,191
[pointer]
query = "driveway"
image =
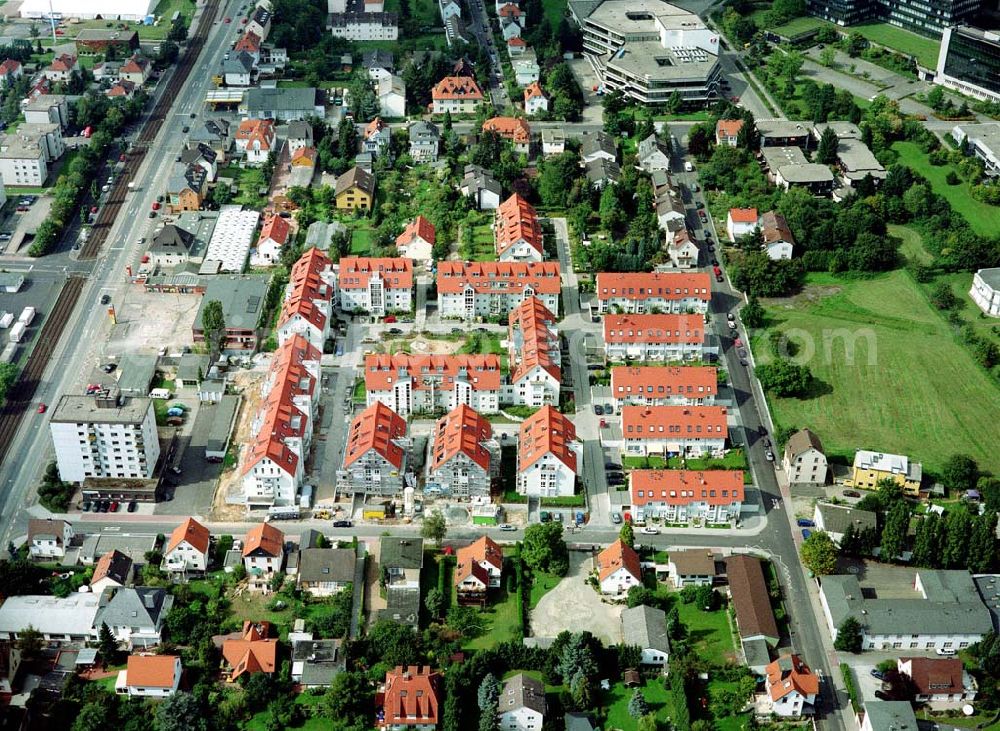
x,y
574,606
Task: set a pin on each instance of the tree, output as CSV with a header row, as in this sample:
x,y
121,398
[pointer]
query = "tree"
x,y
348,699
108,645
213,325
29,642
784,378
849,636
581,690
935,98
897,523
627,535
926,542
94,716
707,598
544,548
752,313
960,473
180,712
648,723
955,550
819,553
577,657
488,698
983,544
674,102
828,56
434,527
434,601
826,153
700,141
943,297
638,706
8,376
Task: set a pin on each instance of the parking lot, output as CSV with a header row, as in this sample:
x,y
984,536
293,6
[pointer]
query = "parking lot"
x,y
150,321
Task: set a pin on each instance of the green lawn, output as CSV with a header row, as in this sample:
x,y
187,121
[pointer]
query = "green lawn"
x,y
360,394
541,584
616,701
500,618
912,246
728,723
984,218
361,241
910,388
709,632
315,723
799,26
925,50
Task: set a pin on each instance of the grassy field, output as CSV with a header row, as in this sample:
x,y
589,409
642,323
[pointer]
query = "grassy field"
x,y
315,723
361,241
500,618
729,723
925,50
555,10
618,697
711,638
798,26
910,387
164,12
984,218
541,584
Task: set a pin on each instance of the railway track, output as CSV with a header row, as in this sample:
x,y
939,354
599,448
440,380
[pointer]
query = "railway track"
x,y
133,159
22,393
20,397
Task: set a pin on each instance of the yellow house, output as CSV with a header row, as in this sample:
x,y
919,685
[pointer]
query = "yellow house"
x,y
355,189
870,468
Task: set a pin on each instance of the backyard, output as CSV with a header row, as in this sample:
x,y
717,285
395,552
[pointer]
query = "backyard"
x,y
618,697
709,633
890,374
984,218
500,622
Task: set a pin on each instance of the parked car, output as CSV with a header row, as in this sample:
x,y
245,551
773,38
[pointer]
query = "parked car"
x,y
806,532
731,317
85,506
506,527
616,518
394,331
852,493
114,506
876,673
719,278
109,367
805,523
732,325
737,342
42,408
342,524
105,299
715,270
769,455
947,651
741,352
649,530
132,506
598,409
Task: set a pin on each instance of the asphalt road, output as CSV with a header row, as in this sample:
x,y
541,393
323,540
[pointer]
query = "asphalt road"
x,y
81,346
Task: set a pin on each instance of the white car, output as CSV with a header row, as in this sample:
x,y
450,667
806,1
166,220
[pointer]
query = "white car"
x,y
506,527
945,651
649,530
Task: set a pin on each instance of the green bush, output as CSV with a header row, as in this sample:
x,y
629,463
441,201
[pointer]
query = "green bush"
x,y
852,691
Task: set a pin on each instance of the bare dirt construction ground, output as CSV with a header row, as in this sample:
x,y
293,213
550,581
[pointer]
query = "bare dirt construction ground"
x,y
574,605
249,383
148,321
420,345
811,293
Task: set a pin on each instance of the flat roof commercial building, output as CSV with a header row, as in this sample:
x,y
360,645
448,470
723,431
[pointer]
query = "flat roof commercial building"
x,y
242,301
231,239
982,140
649,49
969,62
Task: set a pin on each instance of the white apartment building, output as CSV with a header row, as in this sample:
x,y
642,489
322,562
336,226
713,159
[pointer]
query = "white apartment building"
x,y
104,436
642,292
985,291
464,457
664,385
470,290
683,496
375,286
549,456
666,338
364,26
534,356
674,430
414,384
22,163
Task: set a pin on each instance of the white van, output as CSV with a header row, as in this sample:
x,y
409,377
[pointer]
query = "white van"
x,y
688,166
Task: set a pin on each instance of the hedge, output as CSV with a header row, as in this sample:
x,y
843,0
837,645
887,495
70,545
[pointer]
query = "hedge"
x,y
852,691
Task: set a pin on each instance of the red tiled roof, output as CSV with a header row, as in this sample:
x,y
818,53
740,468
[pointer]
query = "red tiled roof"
x,y
482,372
456,87
254,652
688,329
265,538
307,289
275,228
249,42
515,221
260,130
546,432
114,564
682,487
482,550
509,9
534,89
282,418
728,127
466,568
412,696
789,673
774,228
514,129
304,154
377,427
122,87
660,382
461,431
191,531
652,422
743,215
618,556
537,344
484,277
64,62
419,227
933,675
516,41
374,127
135,65
355,271
150,671
646,285
9,66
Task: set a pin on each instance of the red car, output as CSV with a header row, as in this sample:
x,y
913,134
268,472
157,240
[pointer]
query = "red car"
x,y
114,506
228,20
390,318
716,271
42,408
738,343
156,205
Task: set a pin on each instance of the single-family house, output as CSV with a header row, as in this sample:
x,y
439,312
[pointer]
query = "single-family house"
x,y
425,139
355,190
778,239
653,154
274,235
646,628
263,555
521,706
62,67
535,100
727,131
417,240
740,222
456,94
513,129
410,699
135,615
804,461
113,570
256,139
836,520
791,687
478,568
136,69
938,679
251,651
325,571
48,538
188,547
149,676
400,561
692,567
618,568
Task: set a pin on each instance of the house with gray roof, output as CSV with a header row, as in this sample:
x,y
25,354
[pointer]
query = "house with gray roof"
x,y
425,138
191,368
522,703
215,134
171,246
940,610
646,628
315,663
135,373
804,459
135,616
596,145
402,605
203,155
653,154
320,234
283,104
326,571
242,301
578,722
602,172
237,69
889,716
401,560
480,185
836,519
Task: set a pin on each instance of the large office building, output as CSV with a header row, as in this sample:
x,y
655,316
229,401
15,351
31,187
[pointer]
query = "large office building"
x,y
106,435
927,17
969,62
649,49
